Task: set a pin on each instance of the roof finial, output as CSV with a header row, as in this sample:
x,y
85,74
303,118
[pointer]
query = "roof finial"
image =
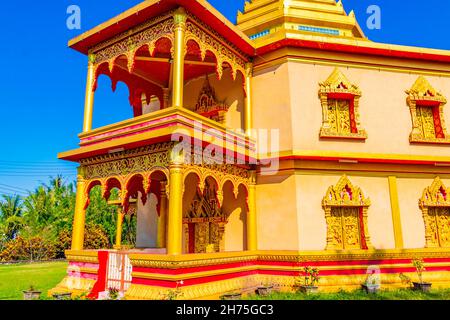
x,y
352,14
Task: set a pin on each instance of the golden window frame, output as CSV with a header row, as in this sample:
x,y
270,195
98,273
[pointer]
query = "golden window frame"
x,y
338,87
424,95
338,197
433,197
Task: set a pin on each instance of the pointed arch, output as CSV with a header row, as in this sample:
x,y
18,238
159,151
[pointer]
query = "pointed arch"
x,y
346,210
109,185
89,187
134,184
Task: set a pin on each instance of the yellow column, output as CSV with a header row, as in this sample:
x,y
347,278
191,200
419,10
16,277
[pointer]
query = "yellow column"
x,y
175,219
80,214
166,101
248,99
89,99
252,241
178,61
161,241
120,216
396,220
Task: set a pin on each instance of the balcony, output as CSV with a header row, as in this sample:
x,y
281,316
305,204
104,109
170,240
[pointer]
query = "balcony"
x,y
166,125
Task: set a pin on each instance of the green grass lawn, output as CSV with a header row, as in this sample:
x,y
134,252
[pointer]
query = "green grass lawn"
x,y
401,294
44,276
16,278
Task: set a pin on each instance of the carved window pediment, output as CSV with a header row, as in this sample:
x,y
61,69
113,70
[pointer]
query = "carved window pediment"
x,y
340,108
435,195
346,216
426,106
205,206
344,193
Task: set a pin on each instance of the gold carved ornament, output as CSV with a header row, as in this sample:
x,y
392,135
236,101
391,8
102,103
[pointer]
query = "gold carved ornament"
x,y
122,170
435,206
210,41
204,221
208,105
340,108
128,43
148,34
426,106
346,216
222,174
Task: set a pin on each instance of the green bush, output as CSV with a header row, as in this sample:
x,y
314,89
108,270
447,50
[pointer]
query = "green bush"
x,y
95,237
63,243
28,249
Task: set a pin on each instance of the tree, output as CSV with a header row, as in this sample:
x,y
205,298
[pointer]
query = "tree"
x,y
39,226
10,216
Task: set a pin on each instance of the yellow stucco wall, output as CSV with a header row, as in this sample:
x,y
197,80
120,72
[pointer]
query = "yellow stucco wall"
x,y
298,199
277,213
272,105
383,109
286,97
235,237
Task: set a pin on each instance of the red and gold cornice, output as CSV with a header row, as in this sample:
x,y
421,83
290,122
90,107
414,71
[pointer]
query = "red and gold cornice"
x,y
157,127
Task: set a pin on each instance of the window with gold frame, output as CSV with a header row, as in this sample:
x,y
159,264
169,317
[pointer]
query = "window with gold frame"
x,y
346,216
340,108
435,206
427,113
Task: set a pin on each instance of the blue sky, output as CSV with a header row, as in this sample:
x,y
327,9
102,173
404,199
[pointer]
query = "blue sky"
x,y
43,81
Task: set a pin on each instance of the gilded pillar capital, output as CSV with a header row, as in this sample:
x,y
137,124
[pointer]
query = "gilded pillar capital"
x,y
91,60
180,17
249,69
81,174
252,177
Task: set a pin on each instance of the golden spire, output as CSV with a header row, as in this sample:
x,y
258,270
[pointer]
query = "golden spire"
x,y
264,19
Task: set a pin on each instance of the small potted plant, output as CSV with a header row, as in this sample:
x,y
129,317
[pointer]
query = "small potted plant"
x,y
113,294
310,279
231,296
420,268
372,283
405,280
264,289
31,294
173,294
62,296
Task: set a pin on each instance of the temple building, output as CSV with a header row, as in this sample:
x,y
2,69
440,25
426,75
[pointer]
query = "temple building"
x,y
287,140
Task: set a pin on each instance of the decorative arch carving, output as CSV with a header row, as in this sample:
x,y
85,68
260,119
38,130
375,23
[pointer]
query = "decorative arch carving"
x,y
435,206
208,42
134,184
146,34
110,184
346,209
340,108
426,106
